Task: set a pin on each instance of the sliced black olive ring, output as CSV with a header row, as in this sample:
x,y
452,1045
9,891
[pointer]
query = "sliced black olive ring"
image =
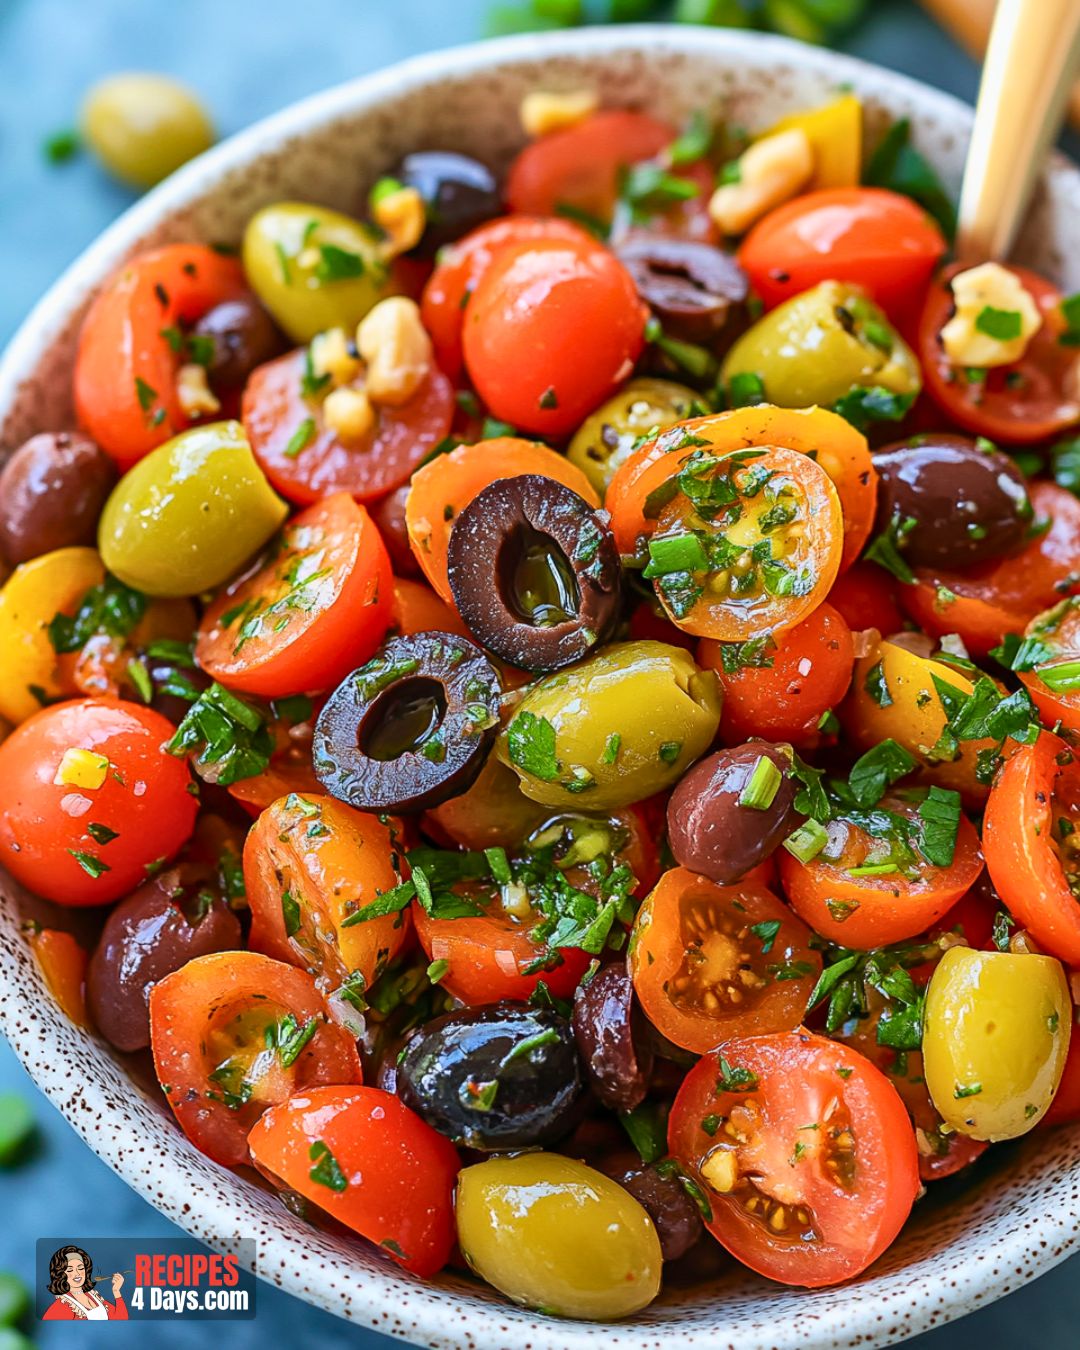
x,y
535,572
412,727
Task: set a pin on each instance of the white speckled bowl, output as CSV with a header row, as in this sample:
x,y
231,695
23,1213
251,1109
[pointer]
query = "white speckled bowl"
x,y
965,1247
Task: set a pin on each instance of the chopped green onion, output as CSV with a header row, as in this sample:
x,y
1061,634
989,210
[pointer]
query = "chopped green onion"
x,y
807,841
1062,678
676,553
762,786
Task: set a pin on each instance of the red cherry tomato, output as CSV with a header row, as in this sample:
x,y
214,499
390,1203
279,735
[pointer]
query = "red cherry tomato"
x,y
1019,404
870,236
1059,630
234,1033
373,1165
275,412
457,275
1065,1108
91,800
517,323
866,597
316,610
804,1152
125,370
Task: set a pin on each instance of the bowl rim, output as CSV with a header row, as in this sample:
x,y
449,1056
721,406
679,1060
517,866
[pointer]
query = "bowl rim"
x,y
973,1281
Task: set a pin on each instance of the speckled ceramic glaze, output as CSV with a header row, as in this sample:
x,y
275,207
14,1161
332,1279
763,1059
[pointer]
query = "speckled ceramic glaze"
x,y
968,1244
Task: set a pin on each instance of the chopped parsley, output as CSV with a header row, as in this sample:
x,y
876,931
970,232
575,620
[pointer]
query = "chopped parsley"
x,y
1004,325
90,863
338,264
885,548
228,737
872,403
531,746
110,607
735,1078
300,439
327,1171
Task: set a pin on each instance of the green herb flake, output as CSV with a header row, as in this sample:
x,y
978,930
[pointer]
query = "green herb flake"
x,y
326,1171
300,439
90,863
531,746
766,931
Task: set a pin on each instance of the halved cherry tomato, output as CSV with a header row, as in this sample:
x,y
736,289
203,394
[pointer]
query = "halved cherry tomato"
x,y
804,1152
784,691
1059,630
362,1156
315,610
861,908
1030,840
870,236
709,960
91,800
1065,1108
687,218
442,489
235,1032
276,413
580,167
458,273
985,602
129,348
516,325
1032,399
866,598
832,442
290,770
63,968
417,609
311,867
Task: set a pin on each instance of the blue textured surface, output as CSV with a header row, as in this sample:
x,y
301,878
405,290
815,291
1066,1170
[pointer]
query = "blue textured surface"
x,y
249,58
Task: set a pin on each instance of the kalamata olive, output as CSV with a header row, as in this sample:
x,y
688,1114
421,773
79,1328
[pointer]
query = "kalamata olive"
x,y
242,335
953,502
731,811
175,680
603,1020
498,1077
698,293
157,929
459,193
675,1216
52,490
389,516
410,728
535,572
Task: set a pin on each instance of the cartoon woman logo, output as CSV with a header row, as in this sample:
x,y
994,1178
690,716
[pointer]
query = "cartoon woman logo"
x,y
71,1280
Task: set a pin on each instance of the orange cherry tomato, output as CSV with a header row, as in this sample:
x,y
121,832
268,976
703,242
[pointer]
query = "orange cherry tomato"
x,y
460,268
235,1032
91,800
866,598
1059,630
370,1163
516,324
317,609
865,909
805,672
1032,399
581,167
870,236
834,444
276,413
1028,834
289,771
417,609
492,813
985,602
442,489
804,1152
311,866
126,366
709,960
1065,1108
63,968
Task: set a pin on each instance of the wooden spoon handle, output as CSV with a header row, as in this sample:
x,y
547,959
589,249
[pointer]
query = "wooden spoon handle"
x,y
1032,58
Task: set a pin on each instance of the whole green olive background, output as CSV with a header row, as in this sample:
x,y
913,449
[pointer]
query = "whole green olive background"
x,y
246,59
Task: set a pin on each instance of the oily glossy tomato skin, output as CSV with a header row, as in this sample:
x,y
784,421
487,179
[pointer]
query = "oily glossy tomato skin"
x,y
666,948
124,361
516,326
144,798
487,956
785,701
797,1081
1039,401
1065,1108
866,598
869,236
347,606
1017,840
188,1004
442,306
274,408
399,1172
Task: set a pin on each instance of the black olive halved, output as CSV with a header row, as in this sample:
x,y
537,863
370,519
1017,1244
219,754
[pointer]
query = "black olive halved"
x,y
535,572
698,293
412,727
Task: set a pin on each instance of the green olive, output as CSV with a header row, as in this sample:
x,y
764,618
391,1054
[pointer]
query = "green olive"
x,y
190,514
818,346
558,1236
605,439
313,268
996,1033
620,726
142,127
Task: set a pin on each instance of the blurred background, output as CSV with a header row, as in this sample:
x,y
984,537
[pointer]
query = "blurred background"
x,y
245,59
